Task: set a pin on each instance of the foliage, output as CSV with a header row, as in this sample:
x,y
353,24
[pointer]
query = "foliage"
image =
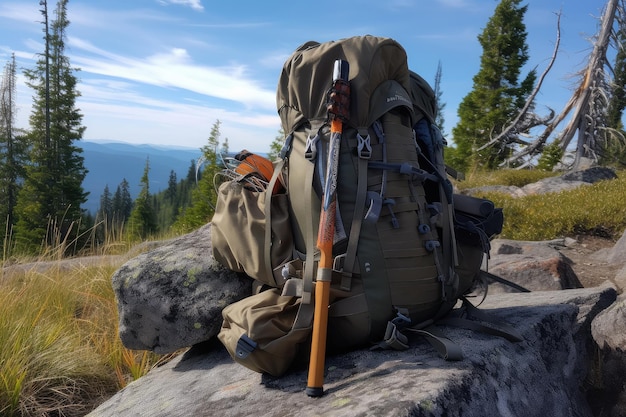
x,y
598,209
276,146
12,151
617,101
61,354
440,105
497,95
550,157
506,177
48,204
142,221
203,198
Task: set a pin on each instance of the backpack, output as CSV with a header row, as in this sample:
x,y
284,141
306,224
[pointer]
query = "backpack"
x,y
404,250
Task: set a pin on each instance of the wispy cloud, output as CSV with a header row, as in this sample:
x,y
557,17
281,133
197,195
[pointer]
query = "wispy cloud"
x,y
21,12
194,4
175,68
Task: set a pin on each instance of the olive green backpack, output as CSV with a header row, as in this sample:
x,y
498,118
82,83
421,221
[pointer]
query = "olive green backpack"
x,y
404,252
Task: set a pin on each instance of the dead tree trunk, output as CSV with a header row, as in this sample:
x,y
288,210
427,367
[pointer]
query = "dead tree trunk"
x,y
587,106
590,95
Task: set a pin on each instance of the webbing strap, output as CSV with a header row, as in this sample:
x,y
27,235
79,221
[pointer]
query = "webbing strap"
x,y
309,239
405,168
304,318
355,228
449,241
482,322
349,306
268,217
394,339
489,276
445,347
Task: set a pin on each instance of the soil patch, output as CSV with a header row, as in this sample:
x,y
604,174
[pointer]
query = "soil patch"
x,y
588,258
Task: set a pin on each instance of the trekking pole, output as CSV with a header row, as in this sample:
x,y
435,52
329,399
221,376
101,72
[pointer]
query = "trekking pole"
x,y
338,110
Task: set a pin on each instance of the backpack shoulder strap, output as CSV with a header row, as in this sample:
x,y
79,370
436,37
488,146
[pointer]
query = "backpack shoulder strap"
x,y
268,215
364,151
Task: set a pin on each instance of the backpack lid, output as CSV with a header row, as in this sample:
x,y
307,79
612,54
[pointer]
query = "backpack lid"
x,y
307,76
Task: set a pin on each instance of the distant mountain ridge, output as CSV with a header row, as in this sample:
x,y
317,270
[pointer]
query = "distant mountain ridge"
x,y
110,162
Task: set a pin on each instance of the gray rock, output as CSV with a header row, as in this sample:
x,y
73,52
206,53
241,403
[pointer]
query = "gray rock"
x,y
617,254
542,376
537,266
607,328
511,190
564,182
551,185
591,175
620,279
608,332
172,297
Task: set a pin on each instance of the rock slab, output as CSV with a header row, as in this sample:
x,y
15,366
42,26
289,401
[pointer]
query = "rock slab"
x,y
172,297
542,376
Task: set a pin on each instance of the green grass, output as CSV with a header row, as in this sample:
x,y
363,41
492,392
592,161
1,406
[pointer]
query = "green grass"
x,y
61,354
598,209
515,177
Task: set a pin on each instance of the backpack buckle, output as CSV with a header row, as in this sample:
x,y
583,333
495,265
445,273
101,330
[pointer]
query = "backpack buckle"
x,y
364,146
401,320
245,346
310,150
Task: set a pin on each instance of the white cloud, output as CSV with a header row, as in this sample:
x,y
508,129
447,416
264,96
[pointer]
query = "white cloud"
x,y
21,12
174,68
194,4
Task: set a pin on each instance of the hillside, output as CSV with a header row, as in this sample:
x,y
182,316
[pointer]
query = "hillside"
x,y
110,162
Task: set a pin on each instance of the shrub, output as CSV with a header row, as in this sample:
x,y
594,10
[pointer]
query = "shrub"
x,y
598,209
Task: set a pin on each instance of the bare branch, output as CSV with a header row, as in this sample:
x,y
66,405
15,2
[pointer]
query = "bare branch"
x,y
505,135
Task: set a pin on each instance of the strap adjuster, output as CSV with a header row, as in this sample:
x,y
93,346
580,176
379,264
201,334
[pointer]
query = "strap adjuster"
x,y
310,150
364,146
245,346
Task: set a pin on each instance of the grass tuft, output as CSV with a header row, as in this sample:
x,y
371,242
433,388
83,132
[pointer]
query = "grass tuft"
x,y
61,354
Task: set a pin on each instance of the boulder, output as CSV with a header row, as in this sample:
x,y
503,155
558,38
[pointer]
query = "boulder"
x,y
564,182
536,266
544,375
172,297
608,384
591,175
551,185
617,254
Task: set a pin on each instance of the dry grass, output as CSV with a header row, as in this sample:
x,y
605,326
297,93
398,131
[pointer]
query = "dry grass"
x,y
61,354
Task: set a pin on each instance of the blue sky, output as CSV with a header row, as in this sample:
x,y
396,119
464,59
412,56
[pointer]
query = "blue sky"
x,y
163,71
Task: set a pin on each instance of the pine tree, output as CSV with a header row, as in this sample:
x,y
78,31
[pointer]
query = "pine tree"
x,y
203,197
616,136
12,150
224,149
172,183
191,173
49,203
276,146
105,212
122,204
439,118
142,222
497,95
